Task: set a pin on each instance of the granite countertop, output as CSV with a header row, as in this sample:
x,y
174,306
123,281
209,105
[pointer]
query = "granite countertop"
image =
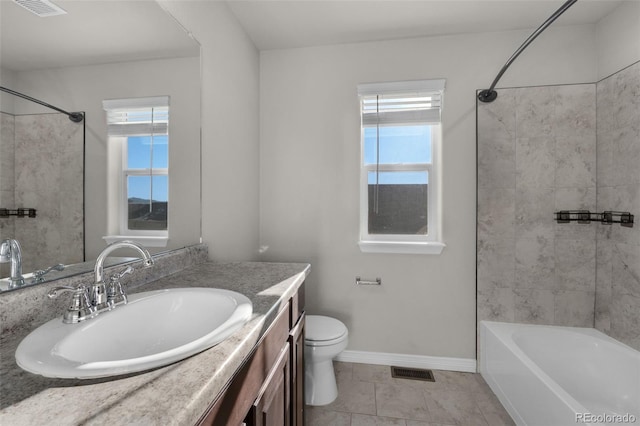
x,y
177,394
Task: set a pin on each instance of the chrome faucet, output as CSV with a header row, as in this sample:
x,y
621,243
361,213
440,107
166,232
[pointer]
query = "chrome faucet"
x,y
10,251
89,301
103,298
99,268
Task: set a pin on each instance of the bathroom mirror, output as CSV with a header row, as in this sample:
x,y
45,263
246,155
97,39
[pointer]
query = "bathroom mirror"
x,y
95,51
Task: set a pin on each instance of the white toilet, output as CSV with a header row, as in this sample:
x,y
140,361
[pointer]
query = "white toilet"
x,y
325,338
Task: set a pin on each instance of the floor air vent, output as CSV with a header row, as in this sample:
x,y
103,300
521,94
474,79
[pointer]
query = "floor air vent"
x,y
412,373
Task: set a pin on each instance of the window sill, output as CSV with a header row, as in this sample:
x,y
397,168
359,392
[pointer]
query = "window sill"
x,y
144,240
401,247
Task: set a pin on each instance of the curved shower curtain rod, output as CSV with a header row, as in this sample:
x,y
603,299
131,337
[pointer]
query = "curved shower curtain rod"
x,y
489,95
76,117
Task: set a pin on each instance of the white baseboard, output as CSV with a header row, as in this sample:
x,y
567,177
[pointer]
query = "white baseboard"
x,y
409,361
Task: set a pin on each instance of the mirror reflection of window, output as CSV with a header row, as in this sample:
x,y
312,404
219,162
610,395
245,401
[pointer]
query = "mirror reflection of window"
x,y
147,179
138,130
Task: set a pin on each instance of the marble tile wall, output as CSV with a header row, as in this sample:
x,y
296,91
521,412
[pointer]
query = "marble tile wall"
x,y
617,310
537,151
536,155
47,174
7,194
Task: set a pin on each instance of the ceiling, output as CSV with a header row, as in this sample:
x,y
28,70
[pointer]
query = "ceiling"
x,y
93,32
107,31
273,24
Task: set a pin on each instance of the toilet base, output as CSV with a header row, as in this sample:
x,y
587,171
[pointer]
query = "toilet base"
x,y
320,383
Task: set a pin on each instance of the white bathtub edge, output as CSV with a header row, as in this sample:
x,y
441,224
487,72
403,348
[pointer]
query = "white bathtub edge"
x,y
493,385
522,385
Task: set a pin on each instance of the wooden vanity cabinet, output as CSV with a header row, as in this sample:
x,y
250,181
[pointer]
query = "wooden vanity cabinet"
x,y
296,343
272,407
268,389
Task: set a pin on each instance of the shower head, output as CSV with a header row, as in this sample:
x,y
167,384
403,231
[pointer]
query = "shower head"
x,y
76,117
487,95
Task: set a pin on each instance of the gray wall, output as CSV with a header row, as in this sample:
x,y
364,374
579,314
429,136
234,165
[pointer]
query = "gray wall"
x,y
297,193
7,178
617,310
309,178
45,173
230,139
617,39
536,155
538,149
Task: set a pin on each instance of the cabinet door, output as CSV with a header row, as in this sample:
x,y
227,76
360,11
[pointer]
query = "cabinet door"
x,y
273,405
296,340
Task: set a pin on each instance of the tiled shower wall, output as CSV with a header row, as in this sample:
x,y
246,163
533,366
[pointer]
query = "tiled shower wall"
x,y
617,310
537,150
7,193
536,154
47,174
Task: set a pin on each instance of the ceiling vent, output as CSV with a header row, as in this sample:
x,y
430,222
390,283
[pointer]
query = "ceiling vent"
x,y
42,8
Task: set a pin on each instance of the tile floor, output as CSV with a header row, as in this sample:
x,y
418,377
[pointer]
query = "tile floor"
x,y
369,396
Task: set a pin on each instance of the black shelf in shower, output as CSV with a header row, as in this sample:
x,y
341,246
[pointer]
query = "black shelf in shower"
x,y
21,212
585,216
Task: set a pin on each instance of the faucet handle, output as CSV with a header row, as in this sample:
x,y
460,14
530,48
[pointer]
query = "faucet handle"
x,y
115,293
57,291
116,277
80,308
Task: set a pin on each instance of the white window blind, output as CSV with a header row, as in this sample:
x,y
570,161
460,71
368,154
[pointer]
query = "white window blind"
x,y
137,116
401,102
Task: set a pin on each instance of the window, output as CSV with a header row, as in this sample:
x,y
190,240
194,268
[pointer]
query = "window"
x,y
138,131
399,188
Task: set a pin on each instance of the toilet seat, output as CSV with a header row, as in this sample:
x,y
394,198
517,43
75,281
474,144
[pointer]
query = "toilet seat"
x,y
324,331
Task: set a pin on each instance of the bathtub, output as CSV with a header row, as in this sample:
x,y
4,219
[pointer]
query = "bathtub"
x,y
557,376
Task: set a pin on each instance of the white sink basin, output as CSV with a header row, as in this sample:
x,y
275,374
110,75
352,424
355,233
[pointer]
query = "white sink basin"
x,y
154,329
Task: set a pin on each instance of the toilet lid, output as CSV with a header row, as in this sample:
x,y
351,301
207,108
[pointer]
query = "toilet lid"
x,y
321,328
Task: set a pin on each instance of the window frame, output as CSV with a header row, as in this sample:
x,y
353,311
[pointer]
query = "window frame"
x,y
118,135
431,243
